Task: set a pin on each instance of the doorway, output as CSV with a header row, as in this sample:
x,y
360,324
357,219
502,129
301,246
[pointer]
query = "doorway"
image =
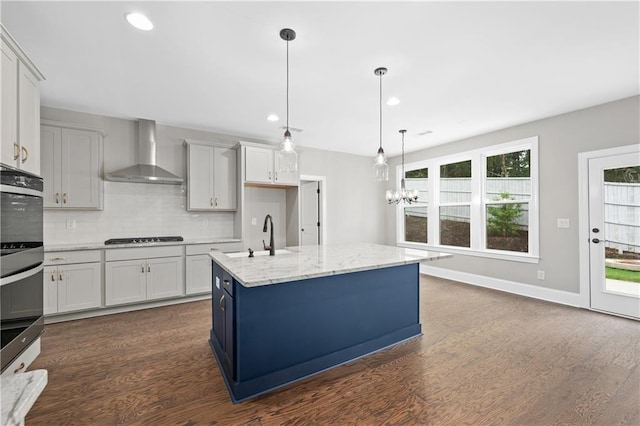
x,y
312,210
613,234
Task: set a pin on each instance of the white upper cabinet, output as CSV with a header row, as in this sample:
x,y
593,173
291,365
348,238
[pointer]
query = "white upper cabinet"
x,y
212,177
20,144
71,167
261,166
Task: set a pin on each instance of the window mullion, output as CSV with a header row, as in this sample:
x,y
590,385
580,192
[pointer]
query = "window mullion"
x,y
477,199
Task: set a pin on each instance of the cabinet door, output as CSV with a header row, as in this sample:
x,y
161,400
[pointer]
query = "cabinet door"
x,y
198,274
78,287
284,178
50,290
9,149
165,277
201,177
28,120
225,178
258,164
125,282
80,169
51,157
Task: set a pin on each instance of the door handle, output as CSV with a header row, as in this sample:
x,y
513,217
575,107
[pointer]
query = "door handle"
x,y
25,154
595,240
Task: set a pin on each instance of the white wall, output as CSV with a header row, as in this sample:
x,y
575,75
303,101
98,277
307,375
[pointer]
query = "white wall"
x,y
355,209
561,138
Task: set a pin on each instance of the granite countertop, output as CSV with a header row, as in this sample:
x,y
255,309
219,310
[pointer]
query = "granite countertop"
x,y
19,393
304,262
101,245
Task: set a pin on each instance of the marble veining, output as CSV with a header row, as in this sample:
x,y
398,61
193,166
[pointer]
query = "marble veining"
x,y
101,245
19,393
306,262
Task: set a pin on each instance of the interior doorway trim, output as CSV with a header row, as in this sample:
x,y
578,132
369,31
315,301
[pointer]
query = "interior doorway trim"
x,y
322,180
583,214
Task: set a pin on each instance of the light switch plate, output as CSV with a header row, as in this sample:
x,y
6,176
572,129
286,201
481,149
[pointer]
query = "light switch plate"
x,y
563,222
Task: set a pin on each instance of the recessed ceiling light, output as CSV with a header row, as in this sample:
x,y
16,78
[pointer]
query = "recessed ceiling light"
x,y
273,117
393,101
426,132
139,21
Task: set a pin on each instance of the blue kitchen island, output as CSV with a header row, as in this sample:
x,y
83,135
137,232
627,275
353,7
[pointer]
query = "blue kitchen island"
x,y
278,319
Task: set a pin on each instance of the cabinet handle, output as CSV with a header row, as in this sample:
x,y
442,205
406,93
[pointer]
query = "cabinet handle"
x,y
148,268
16,151
19,368
64,198
61,277
142,268
215,203
222,303
269,175
53,276
276,175
57,198
57,258
25,154
211,202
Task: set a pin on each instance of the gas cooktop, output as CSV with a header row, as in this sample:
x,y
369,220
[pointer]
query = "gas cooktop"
x,y
142,240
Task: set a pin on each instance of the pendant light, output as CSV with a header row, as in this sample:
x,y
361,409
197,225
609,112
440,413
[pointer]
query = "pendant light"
x,y
403,195
380,166
288,156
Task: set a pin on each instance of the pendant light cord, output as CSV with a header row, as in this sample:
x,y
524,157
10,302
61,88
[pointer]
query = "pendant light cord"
x,y
402,155
287,85
380,110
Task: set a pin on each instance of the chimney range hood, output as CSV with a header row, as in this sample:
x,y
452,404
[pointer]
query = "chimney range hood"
x,y
146,171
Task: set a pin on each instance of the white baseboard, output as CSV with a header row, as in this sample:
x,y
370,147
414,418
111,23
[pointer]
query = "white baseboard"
x,y
542,293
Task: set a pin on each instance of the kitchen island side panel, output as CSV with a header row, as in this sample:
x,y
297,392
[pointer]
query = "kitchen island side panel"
x,y
288,331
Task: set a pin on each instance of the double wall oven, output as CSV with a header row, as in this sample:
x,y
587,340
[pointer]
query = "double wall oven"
x,y
21,263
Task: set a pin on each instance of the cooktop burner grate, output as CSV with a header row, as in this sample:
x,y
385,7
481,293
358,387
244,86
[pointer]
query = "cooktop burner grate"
x,y
142,240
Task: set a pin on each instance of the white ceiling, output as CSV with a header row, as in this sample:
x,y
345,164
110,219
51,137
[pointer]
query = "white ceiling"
x,y
459,69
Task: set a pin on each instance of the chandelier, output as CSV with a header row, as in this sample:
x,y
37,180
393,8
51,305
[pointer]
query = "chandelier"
x,y
403,195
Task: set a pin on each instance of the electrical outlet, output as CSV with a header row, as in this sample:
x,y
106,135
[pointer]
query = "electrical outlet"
x,y
254,221
563,222
71,224
541,275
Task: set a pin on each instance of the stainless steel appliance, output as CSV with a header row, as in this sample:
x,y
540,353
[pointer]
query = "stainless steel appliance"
x,y
142,240
22,257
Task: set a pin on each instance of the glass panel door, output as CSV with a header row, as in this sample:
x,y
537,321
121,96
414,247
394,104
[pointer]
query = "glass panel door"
x,y
614,233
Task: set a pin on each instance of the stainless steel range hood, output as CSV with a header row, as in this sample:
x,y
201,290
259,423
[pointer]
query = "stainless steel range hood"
x,y
146,171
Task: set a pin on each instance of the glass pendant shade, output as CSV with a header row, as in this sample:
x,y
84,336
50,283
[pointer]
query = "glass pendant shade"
x,y
380,166
288,155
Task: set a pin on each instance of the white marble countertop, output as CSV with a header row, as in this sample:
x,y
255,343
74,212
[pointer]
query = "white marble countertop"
x,y
306,262
101,245
19,393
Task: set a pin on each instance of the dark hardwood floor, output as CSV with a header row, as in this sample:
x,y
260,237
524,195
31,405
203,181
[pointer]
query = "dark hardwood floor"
x,y
486,358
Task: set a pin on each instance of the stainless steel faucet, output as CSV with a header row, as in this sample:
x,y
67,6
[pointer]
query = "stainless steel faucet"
x,y
271,247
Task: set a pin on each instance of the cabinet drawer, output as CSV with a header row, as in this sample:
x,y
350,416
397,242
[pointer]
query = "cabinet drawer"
x,y
227,282
24,360
206,248
65,257
142,253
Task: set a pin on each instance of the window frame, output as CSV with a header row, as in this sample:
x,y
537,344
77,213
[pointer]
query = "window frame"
x,y
478,204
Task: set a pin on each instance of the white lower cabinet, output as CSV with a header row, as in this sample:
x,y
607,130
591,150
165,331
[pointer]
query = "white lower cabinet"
x,y
140,274
70,286
198,265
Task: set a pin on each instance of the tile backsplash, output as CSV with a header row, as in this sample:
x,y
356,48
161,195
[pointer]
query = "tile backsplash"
x,y
134,209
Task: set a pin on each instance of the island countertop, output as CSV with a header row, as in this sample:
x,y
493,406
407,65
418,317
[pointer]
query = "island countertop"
x,y
304,262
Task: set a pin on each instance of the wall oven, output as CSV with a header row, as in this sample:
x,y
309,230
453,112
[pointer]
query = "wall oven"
x,y
21,262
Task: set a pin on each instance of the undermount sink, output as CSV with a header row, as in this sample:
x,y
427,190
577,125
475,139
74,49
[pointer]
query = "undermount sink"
x,y
257,253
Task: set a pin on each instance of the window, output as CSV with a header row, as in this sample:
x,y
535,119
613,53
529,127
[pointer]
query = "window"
x,y
482,202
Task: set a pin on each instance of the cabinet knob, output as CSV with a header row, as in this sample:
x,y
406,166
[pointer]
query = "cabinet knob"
x,y
20,367
226,282
25,154
57,258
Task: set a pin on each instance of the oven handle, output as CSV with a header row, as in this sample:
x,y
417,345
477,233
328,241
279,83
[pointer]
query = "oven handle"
x,y
18,190
22,275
